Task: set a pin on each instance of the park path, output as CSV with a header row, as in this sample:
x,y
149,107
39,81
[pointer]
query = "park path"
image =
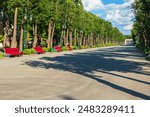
x,y
119,72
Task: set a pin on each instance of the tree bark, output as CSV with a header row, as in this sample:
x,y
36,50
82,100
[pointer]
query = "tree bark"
x,y
49,35
53,30
75,38
6,31
61,37
14,42
21,37
35,36
67,37
70,36
84,41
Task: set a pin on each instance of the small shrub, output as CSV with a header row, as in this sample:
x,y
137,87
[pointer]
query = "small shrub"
x,y
1,50
86,47
28,51
148,51
1,38
75,47
2,55
64,48
93,46
82,47
98,45
47,49
52,50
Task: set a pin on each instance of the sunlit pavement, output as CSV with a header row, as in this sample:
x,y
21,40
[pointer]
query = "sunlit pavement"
x,y
102,73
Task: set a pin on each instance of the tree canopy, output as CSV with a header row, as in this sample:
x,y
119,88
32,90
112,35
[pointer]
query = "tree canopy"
x,y
141,27
53,22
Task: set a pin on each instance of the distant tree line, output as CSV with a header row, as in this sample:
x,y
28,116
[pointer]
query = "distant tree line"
x,y
54,22
141,27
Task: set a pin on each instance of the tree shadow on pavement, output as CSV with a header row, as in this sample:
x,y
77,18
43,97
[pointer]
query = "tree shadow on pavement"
x,y
103,60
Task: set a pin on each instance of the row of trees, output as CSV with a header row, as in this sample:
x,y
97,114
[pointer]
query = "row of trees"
x,y
53,22
141,27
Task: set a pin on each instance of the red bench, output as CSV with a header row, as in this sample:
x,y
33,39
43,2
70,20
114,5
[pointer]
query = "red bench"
x,y
39,50
12,52
57,48
69,48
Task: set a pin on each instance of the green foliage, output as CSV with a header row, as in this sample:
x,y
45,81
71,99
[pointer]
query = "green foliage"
x,y
61,12
28,51
1,55
75,47
81,47
47,49
141,27
64,48
1,38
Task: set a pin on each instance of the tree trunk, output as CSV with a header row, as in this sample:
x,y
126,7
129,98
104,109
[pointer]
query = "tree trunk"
x,y
61,37
6,29
70,36
84,41
49,35
53,30
35,36
80,39
75,38
21,37
67,37
88,40
64,38
14,42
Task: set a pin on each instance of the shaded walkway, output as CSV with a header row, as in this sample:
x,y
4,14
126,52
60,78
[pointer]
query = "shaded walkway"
x,y
114,72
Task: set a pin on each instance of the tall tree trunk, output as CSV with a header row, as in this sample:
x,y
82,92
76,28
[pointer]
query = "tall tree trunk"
x,y
14,42
49,35
67,35
35,36
6,31
84,41
64,38
75,38
88,40
80,39
70,37
61,37
21,37
53,30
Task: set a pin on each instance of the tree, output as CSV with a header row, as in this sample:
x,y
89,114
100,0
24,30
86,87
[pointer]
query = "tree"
x,y
141,27
64,21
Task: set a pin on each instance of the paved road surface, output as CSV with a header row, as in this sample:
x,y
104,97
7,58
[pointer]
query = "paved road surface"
x,y
103,73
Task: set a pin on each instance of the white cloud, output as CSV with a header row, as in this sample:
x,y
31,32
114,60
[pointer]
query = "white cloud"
x,y
128,27
118,14
92,4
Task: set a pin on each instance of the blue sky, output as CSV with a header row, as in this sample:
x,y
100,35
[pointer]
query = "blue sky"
x,y
113,1
118,12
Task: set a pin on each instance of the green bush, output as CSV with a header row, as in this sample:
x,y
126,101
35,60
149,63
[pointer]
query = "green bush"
x,y
98,45
146,51
52,50
82,47
1,38
64,48
47,49
93,46
1,55
75,47
28,51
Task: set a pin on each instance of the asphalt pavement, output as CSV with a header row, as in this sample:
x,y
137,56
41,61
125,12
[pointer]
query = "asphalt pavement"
x,y
107,73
